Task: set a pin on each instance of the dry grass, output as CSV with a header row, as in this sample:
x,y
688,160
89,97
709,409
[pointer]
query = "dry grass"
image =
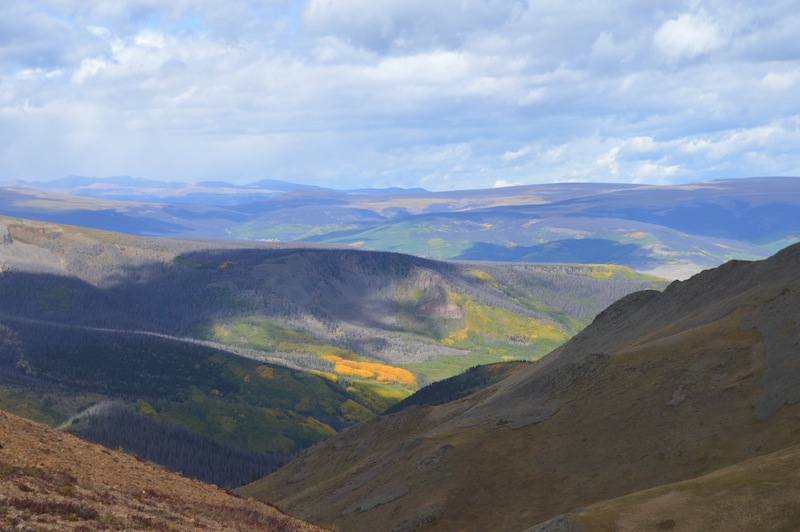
x,y
757,494
54,481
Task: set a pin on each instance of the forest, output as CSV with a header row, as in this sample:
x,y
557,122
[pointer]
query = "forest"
x,y
175,447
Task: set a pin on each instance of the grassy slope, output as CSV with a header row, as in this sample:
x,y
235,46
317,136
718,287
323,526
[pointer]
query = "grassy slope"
x,y
474,379
55,481
757,494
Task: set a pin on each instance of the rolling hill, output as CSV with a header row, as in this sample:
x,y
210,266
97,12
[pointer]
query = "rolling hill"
x,y
672,231
694,385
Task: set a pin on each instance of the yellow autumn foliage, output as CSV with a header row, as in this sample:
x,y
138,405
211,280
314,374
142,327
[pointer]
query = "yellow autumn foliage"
x,y
371,370
318,426
485,277
346,369
483,324
325,375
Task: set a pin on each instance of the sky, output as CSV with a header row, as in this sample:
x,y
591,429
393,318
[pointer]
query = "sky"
x,y
445,94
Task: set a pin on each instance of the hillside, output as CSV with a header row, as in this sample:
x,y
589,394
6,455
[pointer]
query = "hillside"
x,y
672,231
660,388
758,494
301,305
54,481
260,346
473,380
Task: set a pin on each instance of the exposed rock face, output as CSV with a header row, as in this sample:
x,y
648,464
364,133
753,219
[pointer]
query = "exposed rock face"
x,y
6,237
440,308
660,388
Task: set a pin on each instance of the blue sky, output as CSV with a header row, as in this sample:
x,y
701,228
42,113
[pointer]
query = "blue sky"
x,y
444,95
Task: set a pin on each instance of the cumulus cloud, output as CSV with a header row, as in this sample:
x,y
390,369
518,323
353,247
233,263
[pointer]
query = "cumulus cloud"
x,y
502,183
448,94
511,155
687,37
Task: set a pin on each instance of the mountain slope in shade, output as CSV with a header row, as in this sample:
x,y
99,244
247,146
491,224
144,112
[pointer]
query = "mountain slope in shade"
x,y
54,481
660,388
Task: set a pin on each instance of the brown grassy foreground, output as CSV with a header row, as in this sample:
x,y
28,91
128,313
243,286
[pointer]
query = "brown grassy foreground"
x,y
757,494
54,481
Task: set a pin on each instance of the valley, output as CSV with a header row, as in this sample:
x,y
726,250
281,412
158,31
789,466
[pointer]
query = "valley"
x,y
399,266
367,384
263,347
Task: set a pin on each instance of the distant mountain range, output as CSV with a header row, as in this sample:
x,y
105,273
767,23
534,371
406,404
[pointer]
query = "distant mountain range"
x,y
672,410
672,231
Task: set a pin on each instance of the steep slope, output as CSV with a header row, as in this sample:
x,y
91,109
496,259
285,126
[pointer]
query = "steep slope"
x,y
660,388
54,481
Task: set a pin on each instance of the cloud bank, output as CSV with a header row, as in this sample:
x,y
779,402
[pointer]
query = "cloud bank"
x,y
447,94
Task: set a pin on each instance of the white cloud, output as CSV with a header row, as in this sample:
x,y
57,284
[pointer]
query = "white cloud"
x,y
88,68
556,154
687,37
433,68
399,92
781,80
641,144
608,161
652,172
511,155
502,183
736,141
405,24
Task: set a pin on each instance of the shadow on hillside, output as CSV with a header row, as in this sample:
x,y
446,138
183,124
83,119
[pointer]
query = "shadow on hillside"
x,y
202,286
572,251
105,219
